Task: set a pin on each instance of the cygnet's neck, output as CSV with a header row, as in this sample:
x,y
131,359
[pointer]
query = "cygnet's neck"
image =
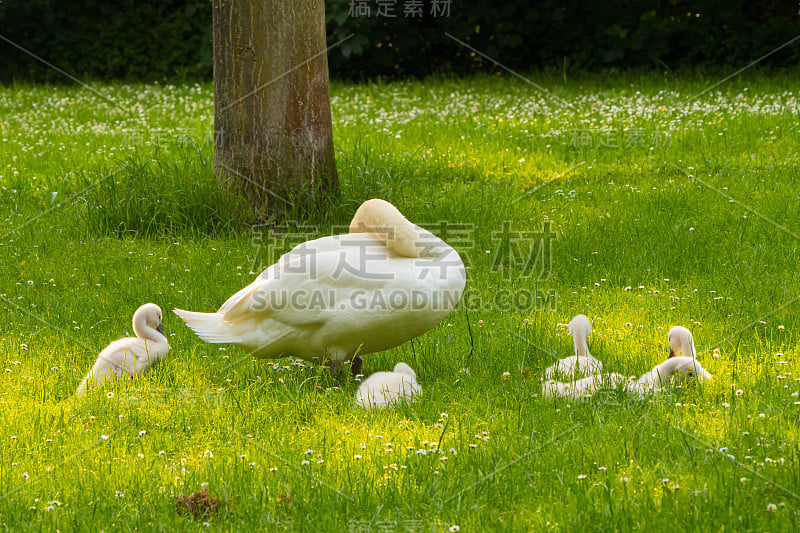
x,y
581,347
144,331
687,347
665,370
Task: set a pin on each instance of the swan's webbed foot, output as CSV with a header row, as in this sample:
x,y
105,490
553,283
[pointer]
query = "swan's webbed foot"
x,y
356,366
336,368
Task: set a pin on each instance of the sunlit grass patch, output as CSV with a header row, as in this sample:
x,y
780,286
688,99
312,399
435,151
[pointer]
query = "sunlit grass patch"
x,y
665,210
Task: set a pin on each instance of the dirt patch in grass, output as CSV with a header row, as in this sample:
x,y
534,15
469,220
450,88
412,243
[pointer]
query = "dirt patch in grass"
x,y
198,504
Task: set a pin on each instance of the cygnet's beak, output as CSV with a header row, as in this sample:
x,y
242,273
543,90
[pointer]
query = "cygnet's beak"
x,y
671,353
160,329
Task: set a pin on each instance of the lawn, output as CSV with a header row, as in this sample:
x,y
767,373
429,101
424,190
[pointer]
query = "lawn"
x,y
642,202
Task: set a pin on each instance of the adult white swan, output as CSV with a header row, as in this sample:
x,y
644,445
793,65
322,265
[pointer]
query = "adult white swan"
x,y
582,363
338,297
129,356
385,388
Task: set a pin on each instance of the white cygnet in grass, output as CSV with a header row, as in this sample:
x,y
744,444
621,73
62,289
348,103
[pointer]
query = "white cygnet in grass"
x,y
384,388
682,368
129,356
582,363
681,342
582,388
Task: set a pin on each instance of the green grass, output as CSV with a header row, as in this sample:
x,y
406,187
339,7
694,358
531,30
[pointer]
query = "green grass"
x,y
669,210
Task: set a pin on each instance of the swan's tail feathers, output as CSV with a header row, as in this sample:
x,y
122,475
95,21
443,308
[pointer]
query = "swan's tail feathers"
x,y
208,326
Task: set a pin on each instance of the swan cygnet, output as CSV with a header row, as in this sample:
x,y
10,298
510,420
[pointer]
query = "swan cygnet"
x,y
385,388
131,355
681,342
679,367
333,299
582,388
582,363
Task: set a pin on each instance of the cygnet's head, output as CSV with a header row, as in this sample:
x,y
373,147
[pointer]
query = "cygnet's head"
x,y
150,315
681,342
688,368
580,326
402,368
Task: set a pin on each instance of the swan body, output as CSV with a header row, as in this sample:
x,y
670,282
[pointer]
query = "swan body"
x,y
385,388
582,363
581,388
682,368
131,355
330,299
681,342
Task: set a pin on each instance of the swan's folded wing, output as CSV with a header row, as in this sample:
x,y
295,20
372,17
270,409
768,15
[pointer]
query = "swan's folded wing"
x,y
303,259
303,288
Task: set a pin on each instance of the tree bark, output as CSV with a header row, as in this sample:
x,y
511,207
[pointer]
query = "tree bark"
x,y
272,115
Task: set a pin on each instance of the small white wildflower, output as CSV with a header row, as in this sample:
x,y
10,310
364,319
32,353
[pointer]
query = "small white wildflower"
x,y
771,507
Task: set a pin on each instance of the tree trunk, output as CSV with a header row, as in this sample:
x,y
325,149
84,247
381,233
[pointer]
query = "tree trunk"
x,y
272,114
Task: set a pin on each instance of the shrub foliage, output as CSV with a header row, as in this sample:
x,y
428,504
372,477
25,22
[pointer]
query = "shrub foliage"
x,y
153,39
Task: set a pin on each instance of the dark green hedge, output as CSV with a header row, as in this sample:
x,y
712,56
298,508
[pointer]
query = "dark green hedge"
x,y
114,39
151,39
